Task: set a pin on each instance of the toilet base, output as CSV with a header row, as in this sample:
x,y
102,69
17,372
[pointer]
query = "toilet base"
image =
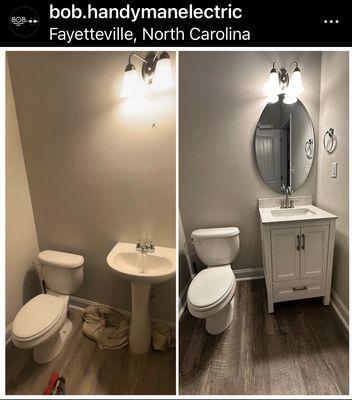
x,y
221,321
51,348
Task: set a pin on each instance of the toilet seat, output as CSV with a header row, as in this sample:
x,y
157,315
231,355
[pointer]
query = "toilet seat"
x,y
39,319
211,290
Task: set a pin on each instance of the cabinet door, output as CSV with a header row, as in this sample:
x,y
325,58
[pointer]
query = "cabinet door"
x,y
285,253
314,251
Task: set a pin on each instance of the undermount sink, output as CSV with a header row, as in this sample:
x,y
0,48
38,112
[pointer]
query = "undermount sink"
x,y
291,212
142,269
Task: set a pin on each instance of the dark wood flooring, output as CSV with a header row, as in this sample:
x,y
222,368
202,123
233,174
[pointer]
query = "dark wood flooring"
x,y
90,371
301,349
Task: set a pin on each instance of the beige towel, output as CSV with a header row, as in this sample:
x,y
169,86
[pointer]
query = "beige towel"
x,y
163,337
109,329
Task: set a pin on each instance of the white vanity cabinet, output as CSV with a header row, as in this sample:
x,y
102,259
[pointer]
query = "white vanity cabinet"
x,y
297,254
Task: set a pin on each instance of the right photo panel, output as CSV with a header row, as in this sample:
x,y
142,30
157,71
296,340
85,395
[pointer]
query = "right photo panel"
x,y
263,223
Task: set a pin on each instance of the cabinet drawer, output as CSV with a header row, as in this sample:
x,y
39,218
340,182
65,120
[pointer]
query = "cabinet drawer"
x,y
298,289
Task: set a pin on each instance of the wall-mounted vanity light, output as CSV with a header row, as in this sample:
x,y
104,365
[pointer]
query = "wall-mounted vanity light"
x,y
279,83
156,71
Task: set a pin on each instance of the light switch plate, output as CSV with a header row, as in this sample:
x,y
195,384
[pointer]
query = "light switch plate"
x,y
334,170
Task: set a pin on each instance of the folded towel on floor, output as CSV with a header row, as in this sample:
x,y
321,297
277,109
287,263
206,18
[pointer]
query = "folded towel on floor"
x,y
163,337
109,329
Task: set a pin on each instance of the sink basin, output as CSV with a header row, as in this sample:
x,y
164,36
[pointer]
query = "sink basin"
x,y
135,266
291,212
142,270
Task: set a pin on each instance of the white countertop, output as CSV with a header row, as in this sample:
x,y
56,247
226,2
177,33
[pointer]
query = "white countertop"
x,y
315,214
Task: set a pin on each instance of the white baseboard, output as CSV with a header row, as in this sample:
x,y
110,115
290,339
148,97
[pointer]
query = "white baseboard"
x,y
245,274
80,304
8,334
340,309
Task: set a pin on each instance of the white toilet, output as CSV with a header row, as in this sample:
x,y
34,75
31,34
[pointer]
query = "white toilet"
x,y
42,323
211,292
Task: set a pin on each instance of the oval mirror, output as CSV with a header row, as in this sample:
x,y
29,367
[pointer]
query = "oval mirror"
x,y
284,144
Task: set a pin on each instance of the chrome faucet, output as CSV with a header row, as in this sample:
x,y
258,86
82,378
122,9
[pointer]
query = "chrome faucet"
x,y
286,203
145,247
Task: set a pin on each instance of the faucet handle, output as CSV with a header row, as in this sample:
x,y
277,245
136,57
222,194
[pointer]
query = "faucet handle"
x,y
150,245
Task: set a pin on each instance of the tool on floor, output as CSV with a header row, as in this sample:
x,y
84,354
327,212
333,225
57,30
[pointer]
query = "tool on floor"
x,y
56,385
59,388
52,382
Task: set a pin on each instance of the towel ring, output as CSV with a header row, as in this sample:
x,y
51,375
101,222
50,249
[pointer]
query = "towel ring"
x,y
308,148
333,140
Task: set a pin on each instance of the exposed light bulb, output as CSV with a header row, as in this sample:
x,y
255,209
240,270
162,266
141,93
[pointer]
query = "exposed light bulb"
x,y
163,77
296,85
130,86
272,87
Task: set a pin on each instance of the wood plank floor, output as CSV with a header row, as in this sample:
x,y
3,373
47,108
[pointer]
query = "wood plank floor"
x,y
301,349
88,370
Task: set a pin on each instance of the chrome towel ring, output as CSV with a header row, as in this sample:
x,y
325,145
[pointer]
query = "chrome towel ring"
x,y
308,148
330,146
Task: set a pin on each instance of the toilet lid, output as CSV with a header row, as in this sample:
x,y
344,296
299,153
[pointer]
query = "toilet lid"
x,y
61,259
37,316
213,233
210,285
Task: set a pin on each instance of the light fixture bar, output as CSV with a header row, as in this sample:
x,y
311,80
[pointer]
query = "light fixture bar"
x,y
279,83
155,67
137,56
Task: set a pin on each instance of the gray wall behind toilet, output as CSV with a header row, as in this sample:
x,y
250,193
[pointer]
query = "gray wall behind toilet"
x,y
21,237
98,171
221,100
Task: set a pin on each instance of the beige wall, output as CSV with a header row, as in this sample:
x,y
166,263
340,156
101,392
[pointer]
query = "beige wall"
x,y
98,171
183,259
332,194
221,100
21,237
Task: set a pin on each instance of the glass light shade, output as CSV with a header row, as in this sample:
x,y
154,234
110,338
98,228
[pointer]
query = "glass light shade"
x,y
130,85
163,77
296,85
272,87
290,98
273,99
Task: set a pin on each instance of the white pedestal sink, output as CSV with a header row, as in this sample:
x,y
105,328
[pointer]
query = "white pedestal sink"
x,y
142,269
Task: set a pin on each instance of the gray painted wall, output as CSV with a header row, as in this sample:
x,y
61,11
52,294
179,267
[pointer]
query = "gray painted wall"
x,y
184,266
21,236
98,171
332,194
221,100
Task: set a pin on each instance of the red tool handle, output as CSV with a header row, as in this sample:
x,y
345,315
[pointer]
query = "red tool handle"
x,y
53,379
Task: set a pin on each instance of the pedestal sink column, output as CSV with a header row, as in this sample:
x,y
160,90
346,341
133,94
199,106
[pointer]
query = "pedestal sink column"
x,y
140,330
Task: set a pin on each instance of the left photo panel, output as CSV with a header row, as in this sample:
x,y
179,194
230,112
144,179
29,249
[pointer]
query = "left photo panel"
x,y
90,223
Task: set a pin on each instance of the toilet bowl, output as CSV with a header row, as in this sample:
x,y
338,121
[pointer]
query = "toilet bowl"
x,y
42,323
211,293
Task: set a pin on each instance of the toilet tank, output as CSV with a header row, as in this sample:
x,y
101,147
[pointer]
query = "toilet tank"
x,y
62,272
217,246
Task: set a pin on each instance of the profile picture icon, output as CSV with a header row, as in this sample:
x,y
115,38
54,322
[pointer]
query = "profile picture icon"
x,y
24,21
